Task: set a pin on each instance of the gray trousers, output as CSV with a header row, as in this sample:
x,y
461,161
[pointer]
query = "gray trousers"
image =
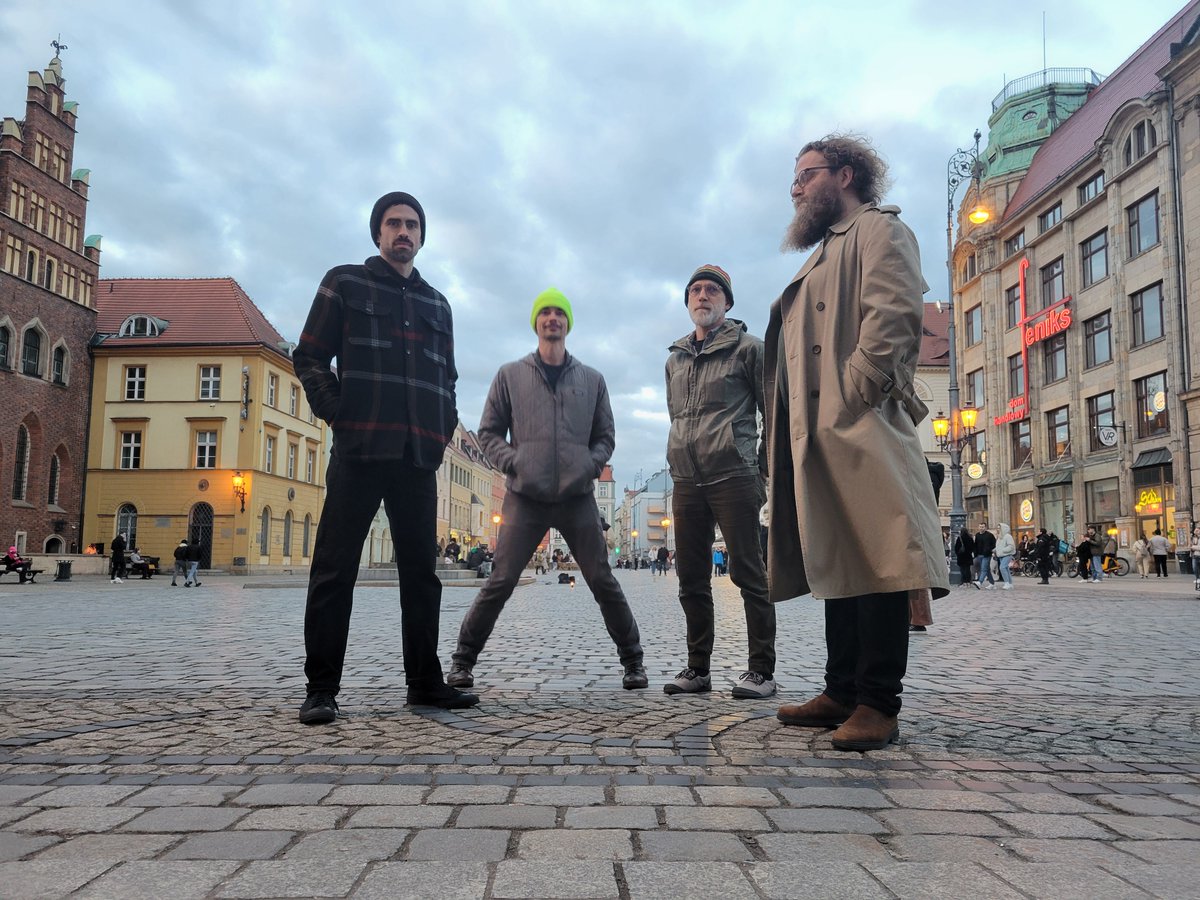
x,y
525,523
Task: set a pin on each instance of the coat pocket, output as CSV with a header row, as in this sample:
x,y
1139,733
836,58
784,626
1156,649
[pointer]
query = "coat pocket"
x,y
368,324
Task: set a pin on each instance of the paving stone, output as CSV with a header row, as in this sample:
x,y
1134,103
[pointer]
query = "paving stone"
x,y
12,794
1051,879
686,881
1053,803
184,818
944,848
1149,827
506,816
1165,853
293,818
565,879
1068,851
321,876
942,880
559,796
232,845
183,795
936,821
471,844
376,795
359,843
48,877
400,817
654,794
1146,806
422,880
964,801
83,795
844,798
1175,881
832,848
1052,826
804,879
455,794
15,813
736,796
715,818
840,821
75,820
155,879
115,847
611,817
565,843
282,795
14,846
668,846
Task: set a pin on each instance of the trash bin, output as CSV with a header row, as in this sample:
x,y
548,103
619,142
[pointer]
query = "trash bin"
x,y
1185,561
64,570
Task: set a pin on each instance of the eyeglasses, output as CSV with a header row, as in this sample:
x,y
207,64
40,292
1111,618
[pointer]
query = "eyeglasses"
x,y
804,176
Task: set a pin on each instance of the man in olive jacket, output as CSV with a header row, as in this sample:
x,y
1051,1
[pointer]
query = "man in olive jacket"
x,y
851,518
548,426
714,396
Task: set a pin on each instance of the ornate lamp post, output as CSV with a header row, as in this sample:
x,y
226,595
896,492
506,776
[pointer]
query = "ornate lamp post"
x,y
239,488
953,432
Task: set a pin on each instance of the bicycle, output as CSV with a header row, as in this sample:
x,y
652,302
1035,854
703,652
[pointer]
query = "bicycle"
x,y
1113,565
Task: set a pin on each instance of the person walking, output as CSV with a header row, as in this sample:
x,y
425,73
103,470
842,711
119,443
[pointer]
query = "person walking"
x,y
117,563
195,553
1195,551
1141,557
1109,554
985,546
391,406
1083,556
548,426
1160,549
180,563
964,555
847,522
664,557
1044,549
1006,549
717,465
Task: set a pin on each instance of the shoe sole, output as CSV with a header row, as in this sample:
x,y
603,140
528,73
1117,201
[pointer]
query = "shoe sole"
x,y
742,693
635,686
673,689
461,682
810,722
453,704
868,745
322,717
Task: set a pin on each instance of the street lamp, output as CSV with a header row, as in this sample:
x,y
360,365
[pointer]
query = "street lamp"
x,y
633,534
239,488
953,432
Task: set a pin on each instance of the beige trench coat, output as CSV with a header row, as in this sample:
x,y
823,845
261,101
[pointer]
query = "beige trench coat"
x,y
851,507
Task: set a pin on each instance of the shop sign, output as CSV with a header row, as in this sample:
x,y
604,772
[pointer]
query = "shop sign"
x,y
1027,511
975,471
1149,502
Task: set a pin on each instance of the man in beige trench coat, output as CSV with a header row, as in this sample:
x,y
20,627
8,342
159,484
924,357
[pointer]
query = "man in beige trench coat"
x,y
852,518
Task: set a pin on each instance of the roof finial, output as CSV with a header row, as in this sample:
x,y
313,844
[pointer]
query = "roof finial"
x,y
58,46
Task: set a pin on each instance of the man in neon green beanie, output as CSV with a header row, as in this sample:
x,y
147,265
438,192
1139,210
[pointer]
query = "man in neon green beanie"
x,y
547,424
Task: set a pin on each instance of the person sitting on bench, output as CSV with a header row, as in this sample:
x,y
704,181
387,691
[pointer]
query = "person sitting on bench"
x,y
13,561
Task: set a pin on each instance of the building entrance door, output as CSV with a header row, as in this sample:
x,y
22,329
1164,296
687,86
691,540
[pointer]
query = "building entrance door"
x,y
200,527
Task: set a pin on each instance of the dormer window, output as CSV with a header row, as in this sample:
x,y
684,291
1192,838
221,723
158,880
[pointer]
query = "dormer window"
x,y
142,326
1141,141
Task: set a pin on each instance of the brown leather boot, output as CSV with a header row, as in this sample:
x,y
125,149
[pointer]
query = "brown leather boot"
x,y
821,711
867,729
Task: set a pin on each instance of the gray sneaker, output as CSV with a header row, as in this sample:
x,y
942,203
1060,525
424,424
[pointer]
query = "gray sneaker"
x,y
688,682
754,684
460,676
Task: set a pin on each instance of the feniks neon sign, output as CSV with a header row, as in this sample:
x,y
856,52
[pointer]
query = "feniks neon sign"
x,y
1041,326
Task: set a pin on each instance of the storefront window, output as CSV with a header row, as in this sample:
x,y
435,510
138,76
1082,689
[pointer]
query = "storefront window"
x,y
1058,510
1154,501
977,508
1103,504
1021,519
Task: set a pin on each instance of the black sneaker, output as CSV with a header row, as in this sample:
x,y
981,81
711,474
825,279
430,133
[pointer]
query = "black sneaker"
x,y
319,709
634,678
443,696
460,676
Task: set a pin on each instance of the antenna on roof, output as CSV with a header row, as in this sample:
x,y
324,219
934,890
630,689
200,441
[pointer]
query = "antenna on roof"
x,y
1043,40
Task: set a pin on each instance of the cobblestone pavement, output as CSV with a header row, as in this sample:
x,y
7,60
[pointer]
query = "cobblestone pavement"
x,y
149,748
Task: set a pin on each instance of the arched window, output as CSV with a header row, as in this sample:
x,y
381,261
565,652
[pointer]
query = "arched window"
x,y
21,464
31,355
140,326
1141,141
127,523
264,533
287,533
52,488
50,271
31,266
59,365
5,342
307,531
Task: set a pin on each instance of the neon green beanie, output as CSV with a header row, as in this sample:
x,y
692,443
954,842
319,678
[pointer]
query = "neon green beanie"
x,y
552,297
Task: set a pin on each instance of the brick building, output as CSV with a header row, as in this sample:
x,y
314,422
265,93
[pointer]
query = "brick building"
x,y
47,275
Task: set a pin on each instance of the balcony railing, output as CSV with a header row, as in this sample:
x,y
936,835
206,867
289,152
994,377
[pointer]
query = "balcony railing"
x,y
1043,78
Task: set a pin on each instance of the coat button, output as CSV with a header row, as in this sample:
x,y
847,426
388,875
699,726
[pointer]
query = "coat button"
x,y
817,350
821,306
814,394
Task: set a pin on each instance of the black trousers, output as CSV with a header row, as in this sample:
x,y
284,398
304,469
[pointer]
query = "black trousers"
x,y
353,492
867,640
526,522
1160,565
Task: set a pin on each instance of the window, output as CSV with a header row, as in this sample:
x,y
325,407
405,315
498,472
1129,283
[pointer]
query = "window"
x,y
970,268
1012,305
1054,359
1147,314
31,353
13,251
17,197
973,322
135,382
310,467
270,461
31,265
131,449
305,535
1058,432
1094,253
1141,141
1014,244
1151,398
287,533
1052,283
210,382
49,272
1097,340
1101,411
1016,376
59,365
52,484
1050,218
139,326
127,524
1021,445
264,532
974,392
21,464
294,400
1143,224
206,449
293,450
5,341
1091,188
272,389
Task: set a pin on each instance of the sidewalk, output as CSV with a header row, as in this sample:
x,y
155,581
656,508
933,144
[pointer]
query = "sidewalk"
x,y
149,748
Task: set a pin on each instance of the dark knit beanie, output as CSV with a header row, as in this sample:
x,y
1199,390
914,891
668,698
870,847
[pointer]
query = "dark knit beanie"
x,y
716,275
384,203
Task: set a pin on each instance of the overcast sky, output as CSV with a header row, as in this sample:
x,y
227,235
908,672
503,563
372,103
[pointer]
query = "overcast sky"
x,y
606,148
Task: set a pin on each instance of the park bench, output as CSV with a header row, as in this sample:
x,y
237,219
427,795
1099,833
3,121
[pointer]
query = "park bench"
x,y
147,568
23,573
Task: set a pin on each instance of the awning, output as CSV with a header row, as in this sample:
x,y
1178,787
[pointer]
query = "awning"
x,y
980,490
1062,476
1148,458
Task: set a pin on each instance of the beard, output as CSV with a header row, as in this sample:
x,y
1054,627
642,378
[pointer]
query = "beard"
x,y
398,254
706,318
814,216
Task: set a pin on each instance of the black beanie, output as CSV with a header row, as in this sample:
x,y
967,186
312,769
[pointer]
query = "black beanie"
x,y
384,203
715,274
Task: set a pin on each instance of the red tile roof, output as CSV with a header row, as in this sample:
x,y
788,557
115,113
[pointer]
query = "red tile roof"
x,y
935,346
209,311
1075,140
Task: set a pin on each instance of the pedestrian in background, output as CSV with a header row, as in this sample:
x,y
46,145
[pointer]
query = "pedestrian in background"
x,y
664,557
1160,549
1195,551
180,563
1083,556
1141,557
964,555
985,546
1110,553
1006,549
117,563
195,553
1044,549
